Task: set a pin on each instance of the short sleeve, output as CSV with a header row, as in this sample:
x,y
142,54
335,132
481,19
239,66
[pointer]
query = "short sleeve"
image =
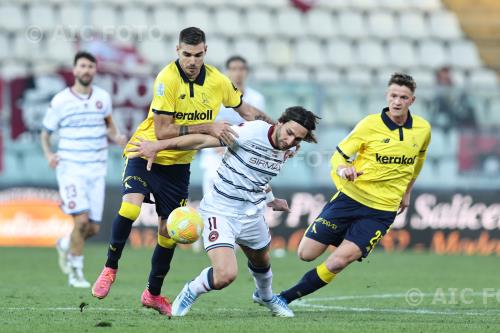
x,y
245,131
231,96
163,102
52,117
351,144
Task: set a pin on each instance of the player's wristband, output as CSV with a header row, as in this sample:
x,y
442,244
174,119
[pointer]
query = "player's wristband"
x,y
269,197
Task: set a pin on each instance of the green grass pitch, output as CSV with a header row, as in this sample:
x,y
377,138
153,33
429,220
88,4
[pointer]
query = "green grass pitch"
x,y
388,292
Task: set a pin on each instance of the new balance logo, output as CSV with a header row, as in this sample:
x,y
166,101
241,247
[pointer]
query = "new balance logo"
x,y
395,159
182,96
207,115
387,140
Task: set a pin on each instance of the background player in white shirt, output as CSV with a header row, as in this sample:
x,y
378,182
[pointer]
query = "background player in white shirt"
x,y
237,71
233,212
82,116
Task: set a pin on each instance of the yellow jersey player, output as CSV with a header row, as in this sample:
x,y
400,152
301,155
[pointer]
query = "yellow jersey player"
x,y
374,169
187,98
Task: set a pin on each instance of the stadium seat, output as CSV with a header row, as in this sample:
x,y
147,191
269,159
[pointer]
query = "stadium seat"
x,y
395,5
321,24
228,22
218,51
328,75
104,17
136,18
266,73
440,145
60,49
493,118
347,110
365,5
383,74
427,5
401,53
71,16
458,77
5,50
423,77
259,22
352,25
444,25
370,53
375,102
278,52
340,53
334,5
13,17
447,171
483,78
297,74
41,16
413,25
12,69
432,54
464,54
274,4
309,52
201,17
25,49
382,24
168,20
250,49
290,23
154,51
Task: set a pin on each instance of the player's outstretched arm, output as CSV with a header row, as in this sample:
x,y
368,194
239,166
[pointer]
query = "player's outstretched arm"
x,y
249,113
165,128
52,159
149,149
114,134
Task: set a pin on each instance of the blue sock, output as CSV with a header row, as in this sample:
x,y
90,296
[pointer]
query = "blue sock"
x,y
120,230
160,265
309,283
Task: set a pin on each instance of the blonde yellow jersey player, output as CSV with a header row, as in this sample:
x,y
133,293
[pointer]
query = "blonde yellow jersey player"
x,y
187,98
374,169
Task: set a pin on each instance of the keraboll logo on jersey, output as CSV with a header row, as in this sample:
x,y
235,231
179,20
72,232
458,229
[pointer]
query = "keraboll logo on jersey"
x,y
395,159
196,115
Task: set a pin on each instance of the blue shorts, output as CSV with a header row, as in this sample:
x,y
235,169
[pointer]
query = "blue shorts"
x,y
345,218
168,184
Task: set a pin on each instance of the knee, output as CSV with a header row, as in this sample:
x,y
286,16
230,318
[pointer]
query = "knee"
x,y
305,255
224,277
82,224
338,263
93,229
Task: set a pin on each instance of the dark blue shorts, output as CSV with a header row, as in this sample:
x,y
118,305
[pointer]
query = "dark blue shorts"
x,y
345,218
168,184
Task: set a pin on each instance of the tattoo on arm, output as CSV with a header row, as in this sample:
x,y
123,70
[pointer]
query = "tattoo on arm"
x,y
183,130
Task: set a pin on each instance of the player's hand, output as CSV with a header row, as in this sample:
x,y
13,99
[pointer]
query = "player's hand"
x,y
224,132
144,148
404,203
53,160
121,140
348,172
292,152
279,205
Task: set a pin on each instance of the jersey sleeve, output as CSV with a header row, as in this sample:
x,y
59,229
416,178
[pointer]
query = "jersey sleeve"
x,y
231,96
351,144
52,116
422,155
245,131
165,87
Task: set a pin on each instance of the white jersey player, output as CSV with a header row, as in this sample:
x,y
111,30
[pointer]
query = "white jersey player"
x,y
237,71
82,116
233,212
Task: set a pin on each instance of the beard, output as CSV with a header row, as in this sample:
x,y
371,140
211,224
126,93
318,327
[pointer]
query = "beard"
x,y
84,82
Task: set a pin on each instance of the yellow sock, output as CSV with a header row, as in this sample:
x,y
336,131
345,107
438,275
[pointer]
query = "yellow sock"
x,y
324,274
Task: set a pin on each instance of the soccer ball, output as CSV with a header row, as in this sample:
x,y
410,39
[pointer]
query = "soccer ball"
x,y
184,225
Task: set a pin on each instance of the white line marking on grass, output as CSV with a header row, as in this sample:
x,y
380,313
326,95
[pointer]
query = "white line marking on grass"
x,y
309,304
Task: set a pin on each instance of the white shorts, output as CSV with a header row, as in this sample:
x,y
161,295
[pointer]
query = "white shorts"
x,y
81,194
224,231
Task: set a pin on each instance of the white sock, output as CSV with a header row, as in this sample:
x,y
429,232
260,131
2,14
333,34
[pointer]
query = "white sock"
x,y
76,262
64,242
263,283
200,284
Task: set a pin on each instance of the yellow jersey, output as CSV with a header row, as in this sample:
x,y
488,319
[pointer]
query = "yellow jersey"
x,y
189,102
389,156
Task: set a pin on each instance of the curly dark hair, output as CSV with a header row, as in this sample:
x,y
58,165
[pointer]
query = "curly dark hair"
x,y
304,117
